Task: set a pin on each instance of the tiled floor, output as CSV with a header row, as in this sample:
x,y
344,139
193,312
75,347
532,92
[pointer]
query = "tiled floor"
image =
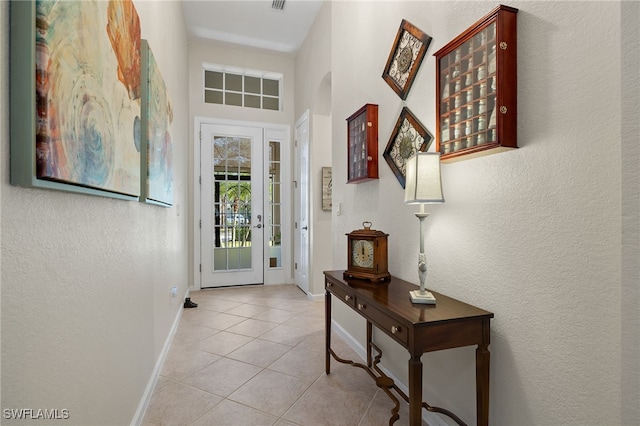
x,y
255,356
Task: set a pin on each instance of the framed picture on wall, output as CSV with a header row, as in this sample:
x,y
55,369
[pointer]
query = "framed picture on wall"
x,y
408,137
327,187
157,146
75,96
404,60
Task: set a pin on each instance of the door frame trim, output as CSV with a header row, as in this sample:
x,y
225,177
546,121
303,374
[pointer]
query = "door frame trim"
x,y
287,265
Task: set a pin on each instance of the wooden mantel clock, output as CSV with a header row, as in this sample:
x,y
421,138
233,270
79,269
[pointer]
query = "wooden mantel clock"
x,y
368,256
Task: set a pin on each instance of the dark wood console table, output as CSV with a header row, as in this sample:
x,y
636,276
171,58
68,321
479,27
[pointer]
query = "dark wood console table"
x,y
419,329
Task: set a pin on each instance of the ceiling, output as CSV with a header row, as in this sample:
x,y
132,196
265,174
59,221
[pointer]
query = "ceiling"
x,y
252,22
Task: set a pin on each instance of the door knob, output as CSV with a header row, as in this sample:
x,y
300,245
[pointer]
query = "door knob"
x,y
258,226
305,227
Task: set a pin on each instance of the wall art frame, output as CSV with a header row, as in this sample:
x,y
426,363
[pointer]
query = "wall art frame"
x,y
408,137
156,148
76,142
327,189
405,57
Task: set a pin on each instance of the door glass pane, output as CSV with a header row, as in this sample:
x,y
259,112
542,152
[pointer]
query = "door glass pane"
x,y
232,203
275,220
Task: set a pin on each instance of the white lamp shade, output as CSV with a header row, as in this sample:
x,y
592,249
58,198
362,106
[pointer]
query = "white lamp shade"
x,y
423,181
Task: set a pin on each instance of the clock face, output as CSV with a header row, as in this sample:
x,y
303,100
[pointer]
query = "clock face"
x,y
407,143
408,138
406,53
362,253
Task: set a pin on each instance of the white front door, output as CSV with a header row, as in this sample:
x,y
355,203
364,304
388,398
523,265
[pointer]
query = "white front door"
x,y
302,242
232,211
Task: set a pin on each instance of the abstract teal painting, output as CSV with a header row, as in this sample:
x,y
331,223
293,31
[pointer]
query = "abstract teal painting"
x,y
157,119
88,94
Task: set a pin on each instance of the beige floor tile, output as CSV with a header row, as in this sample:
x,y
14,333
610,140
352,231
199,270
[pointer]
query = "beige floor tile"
x,y
351,379
238,294
252,327
230,413
327,405
315,341
300,362
223,376
301,305
215,304
259,352
247,310
275,315
183,361
222,321
197,316
312,321
223,343
285,334
189,333
283,422
270,391
174,403
379,411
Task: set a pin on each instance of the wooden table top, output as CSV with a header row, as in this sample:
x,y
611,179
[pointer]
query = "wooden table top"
x,y
394,296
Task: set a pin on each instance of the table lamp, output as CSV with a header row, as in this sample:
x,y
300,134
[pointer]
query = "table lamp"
x,y
423,186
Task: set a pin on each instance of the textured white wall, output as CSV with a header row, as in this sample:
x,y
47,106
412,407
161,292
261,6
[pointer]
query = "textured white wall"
x,y
533,235
86,281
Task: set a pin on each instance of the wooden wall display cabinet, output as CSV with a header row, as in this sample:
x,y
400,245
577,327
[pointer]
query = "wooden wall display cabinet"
x,y
476,82
362,144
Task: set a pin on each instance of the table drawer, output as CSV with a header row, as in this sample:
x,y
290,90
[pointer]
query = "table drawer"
x,y
341,293
384,322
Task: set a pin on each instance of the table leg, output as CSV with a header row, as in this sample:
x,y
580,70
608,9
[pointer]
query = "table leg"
x,y
327,330
483,358
415,391
369,340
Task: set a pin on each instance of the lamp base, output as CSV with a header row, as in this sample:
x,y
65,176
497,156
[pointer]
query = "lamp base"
x,y
425,298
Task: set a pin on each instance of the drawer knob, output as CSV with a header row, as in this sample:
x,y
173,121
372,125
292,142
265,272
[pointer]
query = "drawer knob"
x,y
347,297
329,284
360,306
395,329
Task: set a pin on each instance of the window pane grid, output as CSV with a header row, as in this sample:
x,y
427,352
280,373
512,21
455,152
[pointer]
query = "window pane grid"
x,y
275,207
237,89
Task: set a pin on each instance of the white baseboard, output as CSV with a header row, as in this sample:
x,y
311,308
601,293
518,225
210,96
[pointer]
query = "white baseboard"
x,y
315,297
432,419
153,380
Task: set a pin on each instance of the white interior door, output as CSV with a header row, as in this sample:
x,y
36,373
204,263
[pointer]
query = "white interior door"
x,y
301,228
232,211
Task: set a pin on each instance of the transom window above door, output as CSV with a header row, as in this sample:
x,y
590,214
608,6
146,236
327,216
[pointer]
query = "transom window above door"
x,y
244,88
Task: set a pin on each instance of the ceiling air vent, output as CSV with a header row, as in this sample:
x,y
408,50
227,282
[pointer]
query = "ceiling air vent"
x,y
277,5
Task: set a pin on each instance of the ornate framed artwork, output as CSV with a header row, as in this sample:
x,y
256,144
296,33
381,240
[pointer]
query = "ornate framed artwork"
x,y
408,137
75,97
405,58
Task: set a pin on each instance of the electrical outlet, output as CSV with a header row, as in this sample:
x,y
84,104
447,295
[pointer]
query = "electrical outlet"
x,y
174,291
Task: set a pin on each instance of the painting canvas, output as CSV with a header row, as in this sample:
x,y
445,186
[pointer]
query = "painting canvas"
x,y
158,117
87,60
